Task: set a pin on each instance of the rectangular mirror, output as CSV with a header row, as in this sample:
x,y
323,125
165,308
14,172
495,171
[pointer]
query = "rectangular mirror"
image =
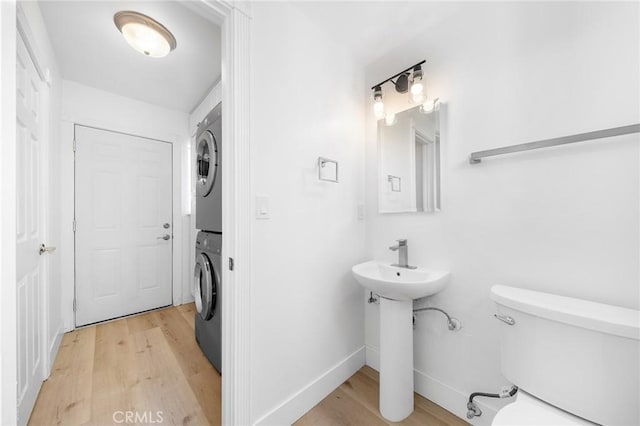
x,y
409,161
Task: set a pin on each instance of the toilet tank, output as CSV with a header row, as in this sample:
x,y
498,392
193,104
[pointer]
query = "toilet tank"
x,y
580,356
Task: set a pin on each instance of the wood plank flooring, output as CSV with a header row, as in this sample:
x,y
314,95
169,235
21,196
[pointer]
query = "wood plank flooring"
x,y
355,403
151,363
144,364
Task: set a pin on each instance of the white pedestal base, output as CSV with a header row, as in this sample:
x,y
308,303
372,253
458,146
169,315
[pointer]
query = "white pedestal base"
x,y
396,359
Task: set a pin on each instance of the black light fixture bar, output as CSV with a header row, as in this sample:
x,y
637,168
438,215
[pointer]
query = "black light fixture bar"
x,y
399,74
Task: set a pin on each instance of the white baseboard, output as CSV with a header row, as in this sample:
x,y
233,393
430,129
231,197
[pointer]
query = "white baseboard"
x,y
306,398
454,400
54,347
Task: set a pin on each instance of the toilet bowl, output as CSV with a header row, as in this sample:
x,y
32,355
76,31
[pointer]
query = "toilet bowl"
x,y
530,411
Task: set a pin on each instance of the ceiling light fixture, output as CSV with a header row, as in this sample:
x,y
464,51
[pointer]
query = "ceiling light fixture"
x,y
145,34
401,84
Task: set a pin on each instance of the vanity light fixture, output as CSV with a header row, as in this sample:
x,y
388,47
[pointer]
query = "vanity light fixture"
x,y
412,75
145,34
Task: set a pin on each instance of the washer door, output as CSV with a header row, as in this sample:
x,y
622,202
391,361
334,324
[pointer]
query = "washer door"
x,y
206,283
206,163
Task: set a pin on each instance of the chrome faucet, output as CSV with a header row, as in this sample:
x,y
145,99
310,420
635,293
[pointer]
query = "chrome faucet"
x,y
403,257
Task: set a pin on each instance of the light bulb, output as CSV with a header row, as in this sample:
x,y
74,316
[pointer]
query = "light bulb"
x,y
390,119
417,87
378,106
378,109
417,92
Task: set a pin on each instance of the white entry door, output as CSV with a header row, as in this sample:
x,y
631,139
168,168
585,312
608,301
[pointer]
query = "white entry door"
x,y
29,224
124,229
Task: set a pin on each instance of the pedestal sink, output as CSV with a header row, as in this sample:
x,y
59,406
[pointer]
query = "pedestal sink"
x,y
397,288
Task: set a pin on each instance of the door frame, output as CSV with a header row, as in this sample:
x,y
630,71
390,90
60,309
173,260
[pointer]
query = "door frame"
x,y
235,22
237,219
176,230
67,193
8,167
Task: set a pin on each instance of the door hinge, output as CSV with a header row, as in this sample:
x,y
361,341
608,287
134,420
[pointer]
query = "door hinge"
x,y
74,225
231,263
74,145
74,305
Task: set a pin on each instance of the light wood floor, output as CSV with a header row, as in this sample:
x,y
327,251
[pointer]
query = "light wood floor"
x,y
151,362
146,363
355,403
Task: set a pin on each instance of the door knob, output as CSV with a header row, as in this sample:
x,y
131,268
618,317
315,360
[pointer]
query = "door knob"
x,y
44,249
165,237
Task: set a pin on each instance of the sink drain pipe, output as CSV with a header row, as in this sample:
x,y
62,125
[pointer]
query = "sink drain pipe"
x,y
472,408
452,323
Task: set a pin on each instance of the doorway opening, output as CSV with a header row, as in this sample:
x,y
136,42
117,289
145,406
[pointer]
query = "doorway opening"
x,y
122,134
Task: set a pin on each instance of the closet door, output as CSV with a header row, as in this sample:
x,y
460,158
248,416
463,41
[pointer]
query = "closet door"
x,y
29,224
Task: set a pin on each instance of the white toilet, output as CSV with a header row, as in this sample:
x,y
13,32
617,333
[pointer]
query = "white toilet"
x,y
575,362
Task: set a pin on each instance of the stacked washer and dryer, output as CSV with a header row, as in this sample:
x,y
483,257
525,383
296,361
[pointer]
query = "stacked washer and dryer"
x,y
208,286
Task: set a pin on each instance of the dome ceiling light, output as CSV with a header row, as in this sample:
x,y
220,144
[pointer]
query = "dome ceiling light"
x,y
145,34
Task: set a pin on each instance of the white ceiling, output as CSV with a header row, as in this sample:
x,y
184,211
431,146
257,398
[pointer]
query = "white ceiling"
x,y
90,50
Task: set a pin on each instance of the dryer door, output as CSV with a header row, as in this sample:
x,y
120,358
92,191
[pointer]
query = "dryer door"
x,y
206,163
206,283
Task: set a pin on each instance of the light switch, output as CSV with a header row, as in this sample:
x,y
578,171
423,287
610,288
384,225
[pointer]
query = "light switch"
x,y
262,207
360,211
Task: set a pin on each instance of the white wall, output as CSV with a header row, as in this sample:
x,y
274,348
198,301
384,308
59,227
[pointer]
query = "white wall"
x,y
307,314
561,220
89,106
209,102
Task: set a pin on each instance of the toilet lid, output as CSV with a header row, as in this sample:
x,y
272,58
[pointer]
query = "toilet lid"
x,y
527,410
